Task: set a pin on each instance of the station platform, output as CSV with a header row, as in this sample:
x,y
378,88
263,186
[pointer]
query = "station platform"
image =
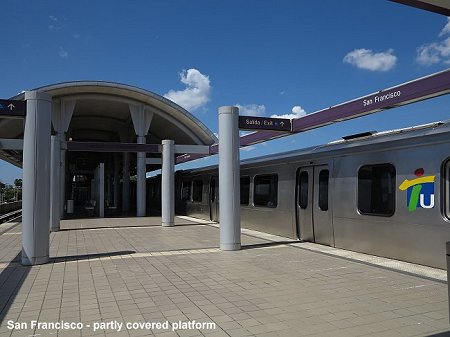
x,y
112,271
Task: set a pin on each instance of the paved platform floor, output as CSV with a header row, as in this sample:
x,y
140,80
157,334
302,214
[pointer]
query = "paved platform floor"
x,y
131,270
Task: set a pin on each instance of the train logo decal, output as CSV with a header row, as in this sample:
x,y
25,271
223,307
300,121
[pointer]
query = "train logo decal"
x,y
419,191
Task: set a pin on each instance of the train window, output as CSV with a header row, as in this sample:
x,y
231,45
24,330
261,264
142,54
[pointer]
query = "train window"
x,y
447,189
323,190
266,190
245,190
376,189
186,190
303,190
197,190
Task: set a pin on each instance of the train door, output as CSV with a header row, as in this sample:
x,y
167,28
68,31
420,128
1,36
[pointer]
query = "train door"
x,y
313,214
323,230
213,200
304,204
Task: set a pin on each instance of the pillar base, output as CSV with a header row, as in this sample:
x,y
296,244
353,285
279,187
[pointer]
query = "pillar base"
x,y
230,246
168,224
34,261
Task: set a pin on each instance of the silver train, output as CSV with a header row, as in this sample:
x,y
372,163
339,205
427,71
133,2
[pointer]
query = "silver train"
x,y
385,194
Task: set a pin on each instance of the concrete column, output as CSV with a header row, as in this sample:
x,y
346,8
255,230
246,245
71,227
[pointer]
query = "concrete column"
x,y
141,118
229,179
126,182
54,184
36,179
168,183
141,180
62,111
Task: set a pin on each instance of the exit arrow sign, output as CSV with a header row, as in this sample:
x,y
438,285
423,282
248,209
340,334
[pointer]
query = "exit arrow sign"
x,y
12,108
264,123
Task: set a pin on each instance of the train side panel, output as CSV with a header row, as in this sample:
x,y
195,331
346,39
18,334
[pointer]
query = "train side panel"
x,y
414,234
387,195
279,220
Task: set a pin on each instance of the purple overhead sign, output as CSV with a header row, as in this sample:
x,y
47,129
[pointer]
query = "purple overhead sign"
x,y
414,91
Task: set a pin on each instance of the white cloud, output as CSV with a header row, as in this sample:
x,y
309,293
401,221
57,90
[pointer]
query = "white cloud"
x,y
297,112
63,53
197,92
435,52
446,28
367,59
251,109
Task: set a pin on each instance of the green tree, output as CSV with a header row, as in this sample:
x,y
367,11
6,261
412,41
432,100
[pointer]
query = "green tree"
x,y
18,183
8,193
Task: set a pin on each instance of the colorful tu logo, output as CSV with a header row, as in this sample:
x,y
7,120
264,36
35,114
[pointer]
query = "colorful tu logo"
x,y
419,191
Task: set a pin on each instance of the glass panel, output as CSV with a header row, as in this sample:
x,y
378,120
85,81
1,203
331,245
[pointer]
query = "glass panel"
x,y
266,191
245,190
186,190
323,190
303,190
447,189
376,189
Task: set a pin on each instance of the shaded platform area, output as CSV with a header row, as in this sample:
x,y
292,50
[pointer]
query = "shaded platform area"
x,y
133,270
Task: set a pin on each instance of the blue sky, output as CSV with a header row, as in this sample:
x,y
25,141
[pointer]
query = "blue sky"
x,y
270,57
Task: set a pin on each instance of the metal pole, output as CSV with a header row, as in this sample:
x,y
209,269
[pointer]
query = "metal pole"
x,y
36,179
229,179
167,183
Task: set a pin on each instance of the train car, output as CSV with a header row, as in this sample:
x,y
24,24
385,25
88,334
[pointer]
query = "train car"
x,y
385,194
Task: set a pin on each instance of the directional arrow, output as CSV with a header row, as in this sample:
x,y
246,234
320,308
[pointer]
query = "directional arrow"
x,y
12,108
264,123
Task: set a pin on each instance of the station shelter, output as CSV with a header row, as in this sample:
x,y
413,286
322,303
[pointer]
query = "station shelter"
x,y
104,138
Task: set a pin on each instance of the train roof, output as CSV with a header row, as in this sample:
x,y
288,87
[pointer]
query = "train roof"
x,y
350,143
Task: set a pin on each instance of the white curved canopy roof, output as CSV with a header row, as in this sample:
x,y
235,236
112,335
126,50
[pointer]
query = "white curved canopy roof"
x,y
102,113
